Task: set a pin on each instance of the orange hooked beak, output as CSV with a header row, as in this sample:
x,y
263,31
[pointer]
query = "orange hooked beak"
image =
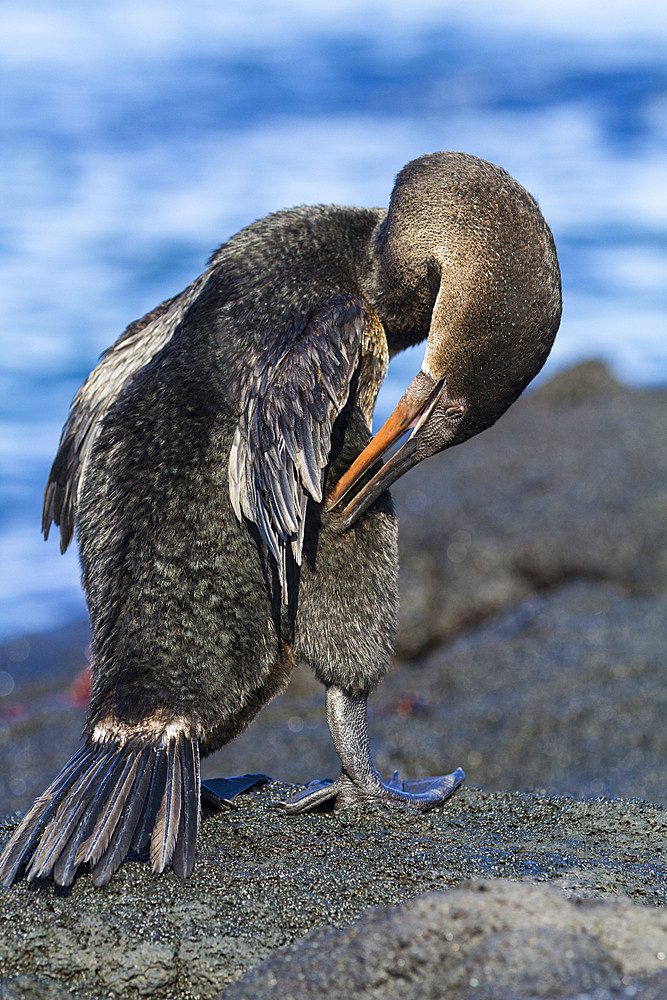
x,y
412,411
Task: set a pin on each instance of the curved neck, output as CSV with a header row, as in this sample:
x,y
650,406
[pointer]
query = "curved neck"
x,y
402,290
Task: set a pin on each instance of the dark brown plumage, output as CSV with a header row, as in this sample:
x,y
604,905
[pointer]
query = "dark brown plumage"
x,y
232,515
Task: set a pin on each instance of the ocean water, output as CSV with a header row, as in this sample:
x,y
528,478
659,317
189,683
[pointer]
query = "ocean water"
x,y
137,136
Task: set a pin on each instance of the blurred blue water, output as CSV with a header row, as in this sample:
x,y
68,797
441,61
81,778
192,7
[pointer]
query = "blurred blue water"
x,y
135,138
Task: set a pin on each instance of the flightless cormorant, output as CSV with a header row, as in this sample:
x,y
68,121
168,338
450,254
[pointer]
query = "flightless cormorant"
x,y
232,514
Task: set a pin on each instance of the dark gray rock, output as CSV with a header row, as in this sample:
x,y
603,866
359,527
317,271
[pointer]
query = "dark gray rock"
x,y
34,988
565,692
533,638
488,941
570,484
262,880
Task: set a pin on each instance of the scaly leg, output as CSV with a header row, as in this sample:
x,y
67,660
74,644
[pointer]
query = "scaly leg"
x,y
359,780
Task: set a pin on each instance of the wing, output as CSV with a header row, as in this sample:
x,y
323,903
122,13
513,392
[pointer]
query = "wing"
x,y
283,438
134,348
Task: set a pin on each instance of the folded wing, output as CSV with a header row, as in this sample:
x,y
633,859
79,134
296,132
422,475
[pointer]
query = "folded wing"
x,y
136,346
282,442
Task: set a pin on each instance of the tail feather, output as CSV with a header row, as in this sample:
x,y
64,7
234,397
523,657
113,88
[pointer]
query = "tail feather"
x,y
165,832
112,858
184,852
28,832
70,848
106,821
83,800
153,800
112,797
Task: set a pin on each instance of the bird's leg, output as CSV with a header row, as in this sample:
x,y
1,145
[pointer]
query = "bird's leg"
x,y
359,780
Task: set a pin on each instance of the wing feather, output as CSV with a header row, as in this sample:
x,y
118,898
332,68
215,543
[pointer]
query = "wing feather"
x,y
282,442
134,349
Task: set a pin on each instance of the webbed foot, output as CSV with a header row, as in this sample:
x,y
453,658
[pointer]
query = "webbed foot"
x,y
413,793
359,781
218,793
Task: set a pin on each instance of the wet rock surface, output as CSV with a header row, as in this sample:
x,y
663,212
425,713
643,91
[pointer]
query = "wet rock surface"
x,y
531,652
263,880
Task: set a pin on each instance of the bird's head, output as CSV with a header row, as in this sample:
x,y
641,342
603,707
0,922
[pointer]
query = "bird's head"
x,y
465,257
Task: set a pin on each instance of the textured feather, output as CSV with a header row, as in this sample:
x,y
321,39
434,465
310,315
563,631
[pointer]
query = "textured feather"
x,y
184,852
165,831
94,846
70,857
153,800
88,794
29,830
283,438
178,857
119,843
92,785
134,349
109,798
